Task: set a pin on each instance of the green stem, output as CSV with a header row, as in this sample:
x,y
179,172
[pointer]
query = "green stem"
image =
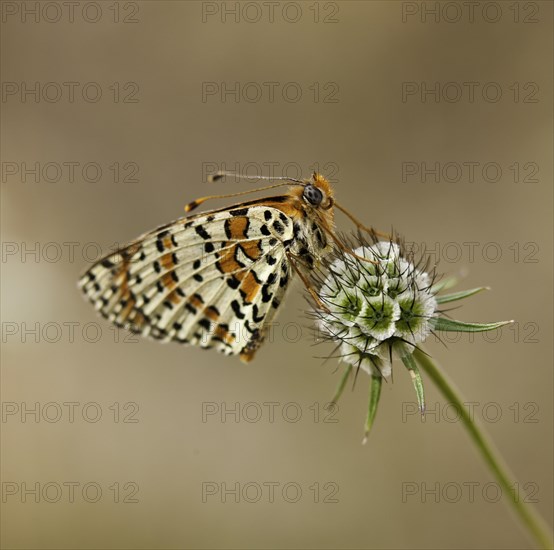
x,y
532,521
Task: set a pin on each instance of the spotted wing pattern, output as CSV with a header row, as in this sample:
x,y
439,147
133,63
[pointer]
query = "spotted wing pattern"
x,y
213,280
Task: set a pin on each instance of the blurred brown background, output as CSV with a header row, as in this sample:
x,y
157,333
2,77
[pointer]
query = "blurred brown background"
x,y
166,115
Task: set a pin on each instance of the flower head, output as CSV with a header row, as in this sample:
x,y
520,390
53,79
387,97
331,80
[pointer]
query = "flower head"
x,y
383,304
376,302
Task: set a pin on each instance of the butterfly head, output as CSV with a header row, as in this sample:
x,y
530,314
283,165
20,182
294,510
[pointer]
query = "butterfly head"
x,y
317,192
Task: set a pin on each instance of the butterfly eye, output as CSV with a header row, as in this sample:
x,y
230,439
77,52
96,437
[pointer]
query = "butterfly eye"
x,y
313,195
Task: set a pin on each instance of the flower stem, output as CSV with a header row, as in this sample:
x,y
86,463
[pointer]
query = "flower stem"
x,y
530,519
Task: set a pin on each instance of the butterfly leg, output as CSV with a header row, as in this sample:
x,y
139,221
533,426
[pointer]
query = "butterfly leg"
x,y
307,284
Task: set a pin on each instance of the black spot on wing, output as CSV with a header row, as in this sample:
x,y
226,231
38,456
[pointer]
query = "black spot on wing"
x,y
239,212
256,278
202,232
278,226
233,282
227,226
266,295
108,264
235,306
248,327
205,323
236,256
255,314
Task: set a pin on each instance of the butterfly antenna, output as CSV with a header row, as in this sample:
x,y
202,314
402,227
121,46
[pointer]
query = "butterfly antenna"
x,y
222,173
196,203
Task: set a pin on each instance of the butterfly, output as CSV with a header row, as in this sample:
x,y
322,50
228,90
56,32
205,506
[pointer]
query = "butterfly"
x,y
217,279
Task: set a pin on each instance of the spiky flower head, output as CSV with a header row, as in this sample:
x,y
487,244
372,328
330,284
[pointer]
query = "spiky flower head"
x,y
376,302
377,307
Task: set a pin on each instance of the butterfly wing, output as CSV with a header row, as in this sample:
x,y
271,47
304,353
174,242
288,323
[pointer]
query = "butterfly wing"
x,y
213,280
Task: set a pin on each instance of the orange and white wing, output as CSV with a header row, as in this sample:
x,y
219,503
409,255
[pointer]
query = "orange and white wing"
x,y
214,280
